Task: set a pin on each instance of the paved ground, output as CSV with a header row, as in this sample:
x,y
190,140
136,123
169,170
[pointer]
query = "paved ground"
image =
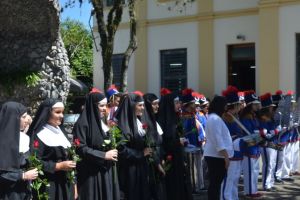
x,y
286,191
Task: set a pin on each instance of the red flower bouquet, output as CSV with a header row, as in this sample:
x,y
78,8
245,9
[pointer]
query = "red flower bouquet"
x,y
38,184
71,175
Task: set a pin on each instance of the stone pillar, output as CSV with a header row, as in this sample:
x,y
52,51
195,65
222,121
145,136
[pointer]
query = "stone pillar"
x,y
30,42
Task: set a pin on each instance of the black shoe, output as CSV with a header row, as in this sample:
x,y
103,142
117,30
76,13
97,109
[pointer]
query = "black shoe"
x,y
288,179
278,180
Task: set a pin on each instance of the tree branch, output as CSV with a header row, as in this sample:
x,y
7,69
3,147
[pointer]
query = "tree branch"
x,y
99,11
114,18
132,44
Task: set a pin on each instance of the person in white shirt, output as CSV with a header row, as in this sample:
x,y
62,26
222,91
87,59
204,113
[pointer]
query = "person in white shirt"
x,y
218,148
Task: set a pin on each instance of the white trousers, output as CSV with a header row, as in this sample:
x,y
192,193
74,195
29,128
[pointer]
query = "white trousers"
x,y
295,157
250,172
269,163
196,170
279,163
287,159
229,188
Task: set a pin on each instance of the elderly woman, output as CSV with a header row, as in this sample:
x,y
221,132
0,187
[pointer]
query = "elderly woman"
x,y
46,131
218,148
14,178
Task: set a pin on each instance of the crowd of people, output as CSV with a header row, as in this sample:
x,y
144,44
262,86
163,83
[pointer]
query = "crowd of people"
x,y
137,146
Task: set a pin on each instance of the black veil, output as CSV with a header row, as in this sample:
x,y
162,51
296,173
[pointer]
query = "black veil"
x,y
88,127
126,114
10,114
41,117
149,115
167,117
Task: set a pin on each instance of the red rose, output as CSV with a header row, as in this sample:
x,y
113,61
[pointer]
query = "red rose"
x,y
169,158
76,142
112,123
145,126
36,144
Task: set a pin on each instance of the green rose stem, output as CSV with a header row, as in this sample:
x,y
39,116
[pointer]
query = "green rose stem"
x,y
150,159
38,183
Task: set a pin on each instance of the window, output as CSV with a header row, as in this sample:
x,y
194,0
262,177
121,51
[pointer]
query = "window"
x,y
173,69
117,65
241,66
298,64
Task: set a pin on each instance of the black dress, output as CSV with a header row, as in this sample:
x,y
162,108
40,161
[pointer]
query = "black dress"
x,y
11,184
133,166
134,169
12,162
178,185
156,178
96,180
60,188
95,174
52,149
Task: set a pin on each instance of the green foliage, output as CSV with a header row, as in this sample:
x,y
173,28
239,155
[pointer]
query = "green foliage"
x,y
115,138
71,175
32,79
10,80
38,184
79,45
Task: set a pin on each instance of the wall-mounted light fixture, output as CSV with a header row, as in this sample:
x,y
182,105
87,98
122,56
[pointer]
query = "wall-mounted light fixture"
x,y
241,37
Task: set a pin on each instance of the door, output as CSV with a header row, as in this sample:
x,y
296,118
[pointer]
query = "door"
x,y
241,66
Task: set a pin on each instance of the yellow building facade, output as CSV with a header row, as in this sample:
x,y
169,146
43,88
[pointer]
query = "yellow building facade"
x,y
214,34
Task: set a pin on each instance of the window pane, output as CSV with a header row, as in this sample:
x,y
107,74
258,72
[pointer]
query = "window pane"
x,y
241,66
174,69
117,64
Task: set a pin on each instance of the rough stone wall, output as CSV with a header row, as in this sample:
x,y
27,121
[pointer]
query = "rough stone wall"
x,y
30,40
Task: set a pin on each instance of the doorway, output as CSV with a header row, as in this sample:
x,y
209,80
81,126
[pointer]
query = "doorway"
x,y
241,66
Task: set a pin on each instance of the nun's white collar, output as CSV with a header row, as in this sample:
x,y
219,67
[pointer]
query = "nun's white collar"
x,y
24,143
53,137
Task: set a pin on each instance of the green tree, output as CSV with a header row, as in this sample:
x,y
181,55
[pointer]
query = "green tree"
x,y
79,45
107,27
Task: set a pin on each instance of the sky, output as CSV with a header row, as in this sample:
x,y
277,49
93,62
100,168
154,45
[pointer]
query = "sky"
x,y
76,12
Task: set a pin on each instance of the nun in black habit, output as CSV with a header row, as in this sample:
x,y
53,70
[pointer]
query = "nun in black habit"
x,y
133,166
157,184
46,131
95,172
14,179
178,186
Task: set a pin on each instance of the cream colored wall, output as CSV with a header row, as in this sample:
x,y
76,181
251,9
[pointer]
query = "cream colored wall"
x,y
160,10
172,37
120,45
223,5
225,32
270,24
289,25
268,62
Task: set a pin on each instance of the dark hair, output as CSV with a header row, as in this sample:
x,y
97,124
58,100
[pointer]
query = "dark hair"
x,y
232,106
217,105
247,110
264,112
